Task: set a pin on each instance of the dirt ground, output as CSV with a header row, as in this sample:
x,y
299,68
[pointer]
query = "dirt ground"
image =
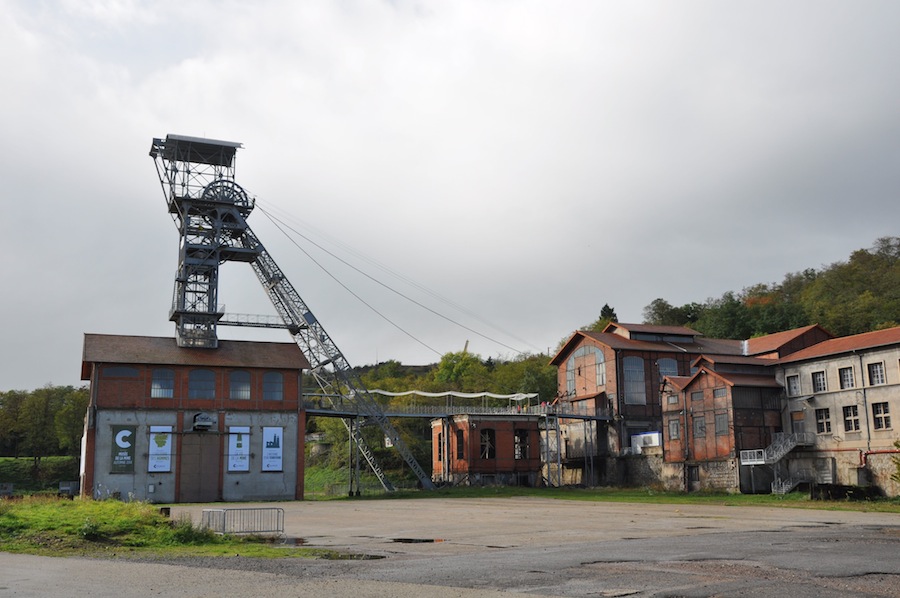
x,y
529,546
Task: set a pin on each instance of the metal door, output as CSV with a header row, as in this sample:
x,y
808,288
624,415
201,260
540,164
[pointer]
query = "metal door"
x,y
199,480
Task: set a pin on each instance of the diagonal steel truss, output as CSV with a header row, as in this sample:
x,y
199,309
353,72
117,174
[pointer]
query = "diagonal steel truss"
x,y
210,210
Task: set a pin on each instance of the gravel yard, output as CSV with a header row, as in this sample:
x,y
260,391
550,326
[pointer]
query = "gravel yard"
x,y
530,546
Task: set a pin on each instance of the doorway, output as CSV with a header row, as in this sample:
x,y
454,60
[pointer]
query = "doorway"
x,y
199,480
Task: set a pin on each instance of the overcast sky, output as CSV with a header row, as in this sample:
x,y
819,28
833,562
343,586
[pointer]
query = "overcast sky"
x,y
511,165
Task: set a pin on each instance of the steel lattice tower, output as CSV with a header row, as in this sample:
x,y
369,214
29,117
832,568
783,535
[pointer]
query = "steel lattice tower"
x,y
209,209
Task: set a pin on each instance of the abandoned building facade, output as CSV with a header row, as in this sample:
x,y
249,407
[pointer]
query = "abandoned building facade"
x,y
731,415
172,424
842,397
486,450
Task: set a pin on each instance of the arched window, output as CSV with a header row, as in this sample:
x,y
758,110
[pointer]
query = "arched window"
x,y
635,387
239,385
202,384
162,385
273,386
585,370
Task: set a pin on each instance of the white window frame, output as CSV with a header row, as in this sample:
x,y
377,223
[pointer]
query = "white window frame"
x,y
845,375
851,416
819,381
823,421
876,373
793,385
881,416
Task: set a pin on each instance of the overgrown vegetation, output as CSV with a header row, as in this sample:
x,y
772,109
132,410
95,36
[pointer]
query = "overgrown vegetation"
x,y
460,371
28,476
45,422
49,526
852,297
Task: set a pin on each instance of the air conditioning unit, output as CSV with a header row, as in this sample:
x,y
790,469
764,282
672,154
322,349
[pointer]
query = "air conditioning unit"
x,y
646,439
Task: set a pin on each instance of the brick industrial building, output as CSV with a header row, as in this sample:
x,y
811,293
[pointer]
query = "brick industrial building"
x,y
173,424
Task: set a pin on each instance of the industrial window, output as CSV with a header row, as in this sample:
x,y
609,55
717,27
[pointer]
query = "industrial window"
x,y
720,393
818,382
793,385
579,364
881,415
846,376
460,445
635,388
851,418
697,395
521,444
488,444
823,421
674,429
667,367
239,385
162,385
119,372
876,373
700,427
202,384
273,386
721,424
672,399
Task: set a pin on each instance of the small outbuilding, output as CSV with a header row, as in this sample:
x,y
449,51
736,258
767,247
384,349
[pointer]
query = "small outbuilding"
x,y
483,450
174,424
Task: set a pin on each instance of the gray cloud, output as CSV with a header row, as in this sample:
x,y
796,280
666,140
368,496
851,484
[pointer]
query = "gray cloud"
x,y
529,162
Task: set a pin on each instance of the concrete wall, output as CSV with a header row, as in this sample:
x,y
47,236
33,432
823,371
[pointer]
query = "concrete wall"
x,y
162,487
139,485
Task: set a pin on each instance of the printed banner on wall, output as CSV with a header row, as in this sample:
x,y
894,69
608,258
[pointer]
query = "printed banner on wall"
x,y
239,448
123,449
160,456
271,456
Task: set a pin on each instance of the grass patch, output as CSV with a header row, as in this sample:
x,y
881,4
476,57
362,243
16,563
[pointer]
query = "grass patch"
x,y
52,527
650,496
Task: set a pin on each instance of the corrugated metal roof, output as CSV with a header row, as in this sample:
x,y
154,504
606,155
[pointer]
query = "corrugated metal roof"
x,y
847,344
652,329
700,345
109,348
774,341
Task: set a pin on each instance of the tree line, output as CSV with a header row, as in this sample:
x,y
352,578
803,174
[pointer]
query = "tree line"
x,y
859,295
459,371
45,422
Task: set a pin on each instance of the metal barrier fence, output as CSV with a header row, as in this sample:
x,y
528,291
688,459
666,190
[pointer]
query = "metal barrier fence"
x,y
244,521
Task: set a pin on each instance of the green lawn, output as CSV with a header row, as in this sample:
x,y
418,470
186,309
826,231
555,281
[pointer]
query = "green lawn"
x,y
54,527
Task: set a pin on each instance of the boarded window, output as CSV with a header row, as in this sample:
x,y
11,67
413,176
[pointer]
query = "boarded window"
x,y
488,444
521,444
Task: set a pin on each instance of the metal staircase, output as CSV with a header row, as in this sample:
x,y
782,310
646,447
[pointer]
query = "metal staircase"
x,y
774,454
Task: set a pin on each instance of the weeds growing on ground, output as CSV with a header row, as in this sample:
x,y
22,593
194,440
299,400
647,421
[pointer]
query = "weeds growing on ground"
x,y
49,526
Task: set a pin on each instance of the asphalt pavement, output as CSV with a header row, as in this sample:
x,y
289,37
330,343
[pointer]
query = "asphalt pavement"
x,y
496,547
